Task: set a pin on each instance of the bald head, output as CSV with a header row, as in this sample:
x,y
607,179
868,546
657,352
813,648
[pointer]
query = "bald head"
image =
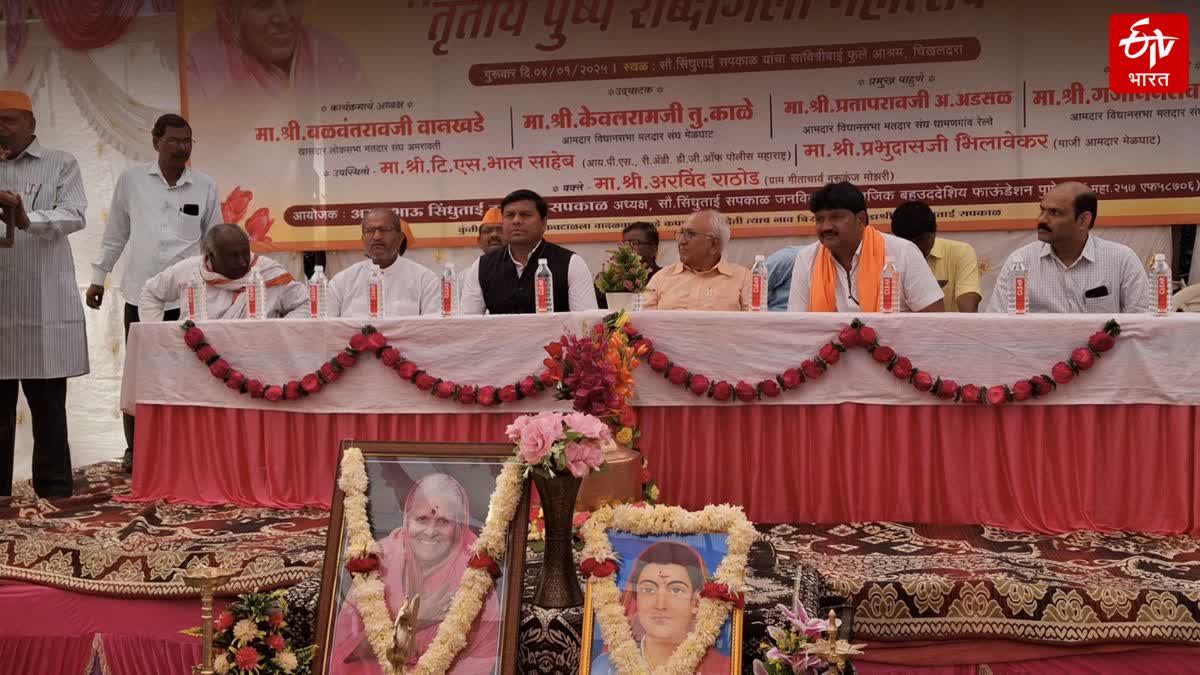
x,y
383,236
227,248
1068,211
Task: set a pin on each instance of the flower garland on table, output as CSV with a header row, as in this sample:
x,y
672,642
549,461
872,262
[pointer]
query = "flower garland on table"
x,y
718,597
858,334
367,340
367,589
253,637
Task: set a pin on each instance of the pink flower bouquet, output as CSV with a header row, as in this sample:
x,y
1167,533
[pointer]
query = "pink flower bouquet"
x,y
550,443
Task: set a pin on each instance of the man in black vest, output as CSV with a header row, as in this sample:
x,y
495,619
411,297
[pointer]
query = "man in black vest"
x,y
501,282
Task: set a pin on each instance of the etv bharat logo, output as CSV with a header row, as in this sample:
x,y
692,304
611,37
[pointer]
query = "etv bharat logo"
x,y
1148,53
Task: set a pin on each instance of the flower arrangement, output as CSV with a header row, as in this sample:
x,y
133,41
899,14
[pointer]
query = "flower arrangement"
x,y
803,645
595,373
624,272
253,637
367,589
549,443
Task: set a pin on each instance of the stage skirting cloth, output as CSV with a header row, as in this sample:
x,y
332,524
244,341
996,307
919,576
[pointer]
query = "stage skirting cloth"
x,y
1112,450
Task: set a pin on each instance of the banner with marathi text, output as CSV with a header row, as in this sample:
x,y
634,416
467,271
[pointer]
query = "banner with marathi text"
x,y
310,113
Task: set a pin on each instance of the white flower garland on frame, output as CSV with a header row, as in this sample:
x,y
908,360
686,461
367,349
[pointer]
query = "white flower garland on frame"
x,y
664,520
367,589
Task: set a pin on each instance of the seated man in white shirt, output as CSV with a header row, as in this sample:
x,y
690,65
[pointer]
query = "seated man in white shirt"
x,y
1071,270
842,271
502,282
408,287
225,268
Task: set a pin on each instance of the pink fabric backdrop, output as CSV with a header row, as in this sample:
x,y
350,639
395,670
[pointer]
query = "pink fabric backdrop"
x,y
48,631
1033,468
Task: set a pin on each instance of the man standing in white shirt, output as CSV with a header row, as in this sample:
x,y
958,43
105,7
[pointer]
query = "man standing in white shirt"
x,y
842,272
1071,270
501,282
43,339
409,288
226,270
161,210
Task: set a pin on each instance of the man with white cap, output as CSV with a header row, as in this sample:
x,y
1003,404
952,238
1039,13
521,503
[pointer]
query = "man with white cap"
x,y
42,336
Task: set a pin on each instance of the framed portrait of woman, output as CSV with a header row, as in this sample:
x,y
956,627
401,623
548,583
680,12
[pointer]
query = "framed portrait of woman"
x,y
427,503
660,580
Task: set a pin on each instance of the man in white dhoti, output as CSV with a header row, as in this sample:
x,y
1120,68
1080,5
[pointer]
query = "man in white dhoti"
x,y
42,335
409,288
226,268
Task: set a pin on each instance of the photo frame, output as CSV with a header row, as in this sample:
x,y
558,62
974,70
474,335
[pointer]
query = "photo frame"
x,y
671,570
445,488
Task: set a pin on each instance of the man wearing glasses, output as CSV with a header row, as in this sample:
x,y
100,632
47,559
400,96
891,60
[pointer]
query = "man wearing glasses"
x,y
161,210
702,279
643,238
409,288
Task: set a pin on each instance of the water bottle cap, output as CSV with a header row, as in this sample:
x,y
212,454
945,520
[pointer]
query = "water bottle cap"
x,y
759,258
318,268
543,261
1160,256
449,265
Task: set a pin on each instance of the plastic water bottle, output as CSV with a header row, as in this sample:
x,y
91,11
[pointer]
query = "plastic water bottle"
x,y
318,290
543,288
889,283
256,301
195,298
758,284
1160,281
1018,301
449,290
375,293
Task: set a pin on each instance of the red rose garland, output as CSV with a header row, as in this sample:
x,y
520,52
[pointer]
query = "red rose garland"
x,y
858,334
367,340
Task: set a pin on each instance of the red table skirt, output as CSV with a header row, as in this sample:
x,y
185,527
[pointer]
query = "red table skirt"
x,y
1032,468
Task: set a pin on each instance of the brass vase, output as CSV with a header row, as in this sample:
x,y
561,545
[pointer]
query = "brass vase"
x,y
619,482
559,586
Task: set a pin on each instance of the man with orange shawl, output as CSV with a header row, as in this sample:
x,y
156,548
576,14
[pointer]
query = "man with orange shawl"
x,y
226,269
842,272
427,555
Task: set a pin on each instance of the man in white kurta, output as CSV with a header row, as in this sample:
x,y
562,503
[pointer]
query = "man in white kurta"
x,y
226,268
409,288
42,337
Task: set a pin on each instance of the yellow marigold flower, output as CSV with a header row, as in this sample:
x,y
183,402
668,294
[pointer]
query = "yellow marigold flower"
x,y
622,319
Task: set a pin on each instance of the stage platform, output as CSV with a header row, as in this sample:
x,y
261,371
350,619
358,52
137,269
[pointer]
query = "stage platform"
x,y
94,582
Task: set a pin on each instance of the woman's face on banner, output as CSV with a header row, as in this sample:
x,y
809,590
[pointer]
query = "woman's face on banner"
x,y
431,526
269,29
666,601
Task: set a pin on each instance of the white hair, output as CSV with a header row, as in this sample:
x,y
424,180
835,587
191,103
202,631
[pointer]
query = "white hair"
x,y
720,225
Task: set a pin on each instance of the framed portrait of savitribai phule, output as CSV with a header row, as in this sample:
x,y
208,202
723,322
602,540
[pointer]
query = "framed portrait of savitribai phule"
x,y
660,580
427,503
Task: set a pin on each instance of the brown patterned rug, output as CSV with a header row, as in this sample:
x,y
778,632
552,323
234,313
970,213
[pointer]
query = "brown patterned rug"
x,y
924,582
94,544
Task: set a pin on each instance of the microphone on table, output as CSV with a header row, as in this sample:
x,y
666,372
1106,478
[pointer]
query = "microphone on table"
x,y
190,210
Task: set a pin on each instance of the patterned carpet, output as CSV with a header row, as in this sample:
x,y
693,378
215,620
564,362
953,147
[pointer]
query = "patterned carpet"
x,y
95,544
902,582
913,582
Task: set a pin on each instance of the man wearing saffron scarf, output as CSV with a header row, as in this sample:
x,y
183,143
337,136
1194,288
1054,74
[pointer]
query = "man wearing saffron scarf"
x,y
843,270
226,268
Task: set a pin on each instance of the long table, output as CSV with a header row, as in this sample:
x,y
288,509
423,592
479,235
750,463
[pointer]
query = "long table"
x,y
1114,449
